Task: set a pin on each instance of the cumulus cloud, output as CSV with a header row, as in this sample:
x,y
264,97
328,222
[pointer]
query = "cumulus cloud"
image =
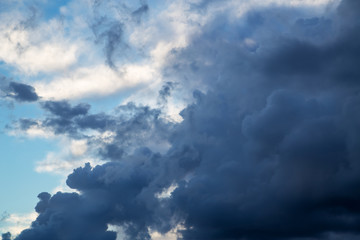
x,y
24,49
268,148
6,236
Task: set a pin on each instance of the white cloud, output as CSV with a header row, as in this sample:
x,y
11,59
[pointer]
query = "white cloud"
x,y
34,131
59,164
166,193
34,50
16,222
98,80
73,154
156,40
63,187
172,235
120,233
78,147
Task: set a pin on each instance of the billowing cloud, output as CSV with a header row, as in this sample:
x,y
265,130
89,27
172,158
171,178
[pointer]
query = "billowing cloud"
x,y
268,148
6,236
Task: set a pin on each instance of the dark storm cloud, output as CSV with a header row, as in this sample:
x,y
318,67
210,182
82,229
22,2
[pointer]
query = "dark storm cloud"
x,y
270,151
61,214
282,153
6,236
270,177
20,92
114,193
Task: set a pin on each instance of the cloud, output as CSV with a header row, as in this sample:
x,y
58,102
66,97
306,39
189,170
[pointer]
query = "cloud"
x,y
15,223
5,215
73,154
62,163
64,110
138,13
24,49
111,135
21,92
165,92
6,236
29,128
95,81
58,218
267,149
111,34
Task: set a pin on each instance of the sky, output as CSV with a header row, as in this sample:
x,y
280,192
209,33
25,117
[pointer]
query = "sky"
x,y
187,119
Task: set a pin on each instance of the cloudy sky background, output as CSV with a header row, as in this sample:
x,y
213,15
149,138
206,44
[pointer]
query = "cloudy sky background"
x,y
189,119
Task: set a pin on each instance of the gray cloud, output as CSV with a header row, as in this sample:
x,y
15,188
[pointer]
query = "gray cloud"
x,y
20,92
63,109
132,126
6,236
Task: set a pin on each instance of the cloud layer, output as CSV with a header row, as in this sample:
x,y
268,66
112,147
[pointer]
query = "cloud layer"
x,y
268,148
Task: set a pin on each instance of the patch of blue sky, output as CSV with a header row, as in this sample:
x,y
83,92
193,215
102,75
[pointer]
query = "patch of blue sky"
x,y
17,166
13,111
7,70
108,103
105,103
48,9
6,5
18,158
157,5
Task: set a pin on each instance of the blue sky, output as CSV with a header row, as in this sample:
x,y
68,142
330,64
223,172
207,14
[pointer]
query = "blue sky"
x,y
186,119
17,168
